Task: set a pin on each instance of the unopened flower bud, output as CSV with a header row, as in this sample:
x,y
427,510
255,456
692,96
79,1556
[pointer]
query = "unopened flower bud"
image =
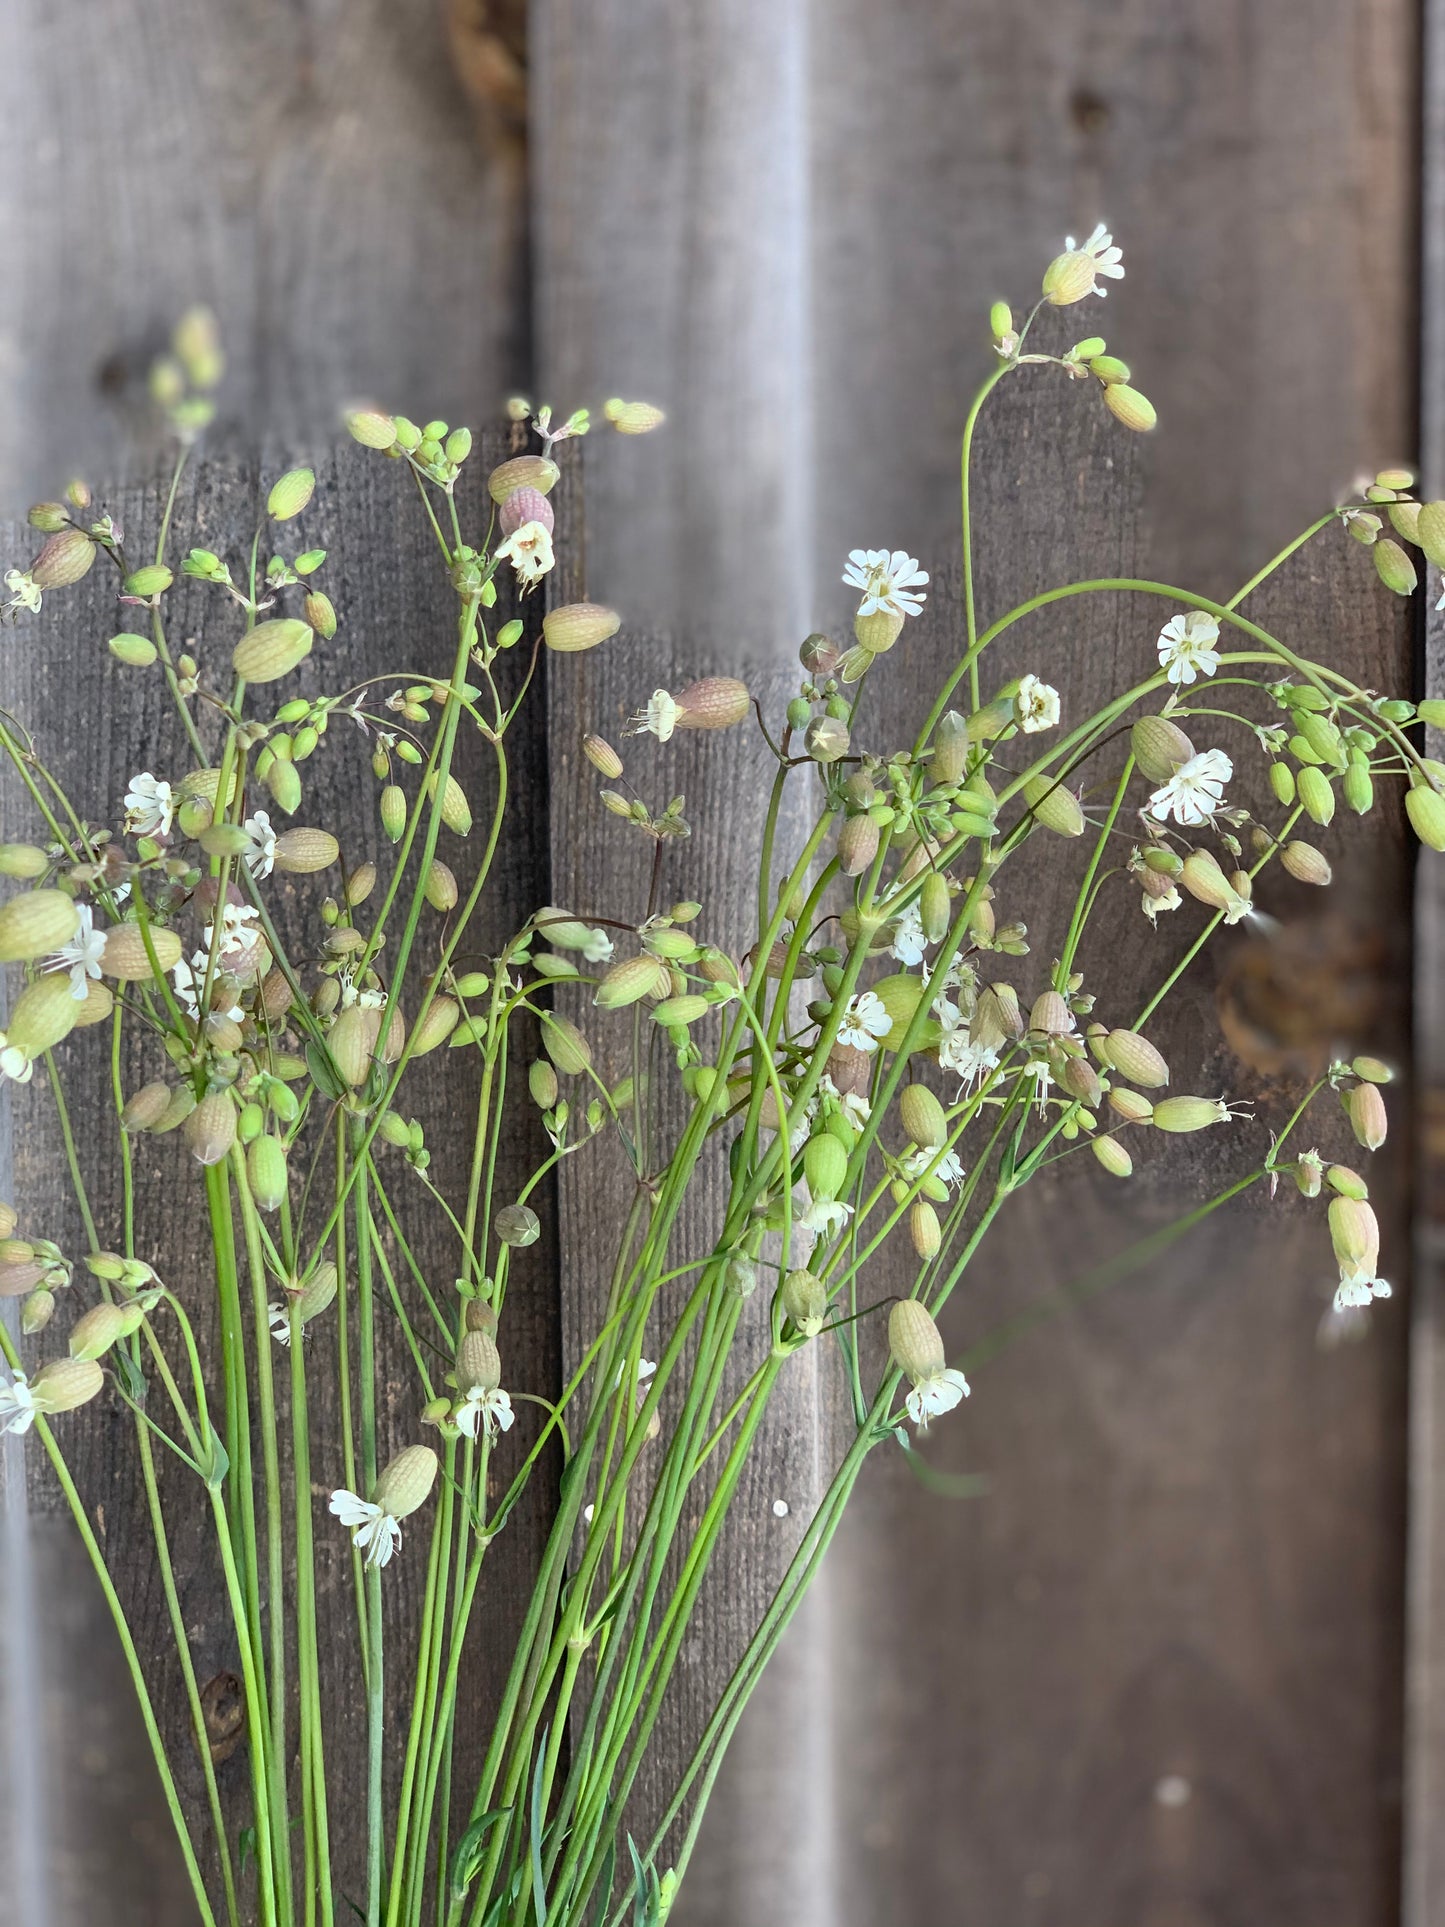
x,y
922,1116
630,980
291,494
1425,807
210,1130
804,1299
857,844
1374,1070
266,1171
272,650
1365,1109
565,1044
1050,1016
602,756
825,1165
1305,863
1136,1058
37,1311
1394,567
935,906
1112,1155
579,625
819,654
1054,806
456,810
1129,407
1317,797
542,1083
1309,1174
126,957
924,1229
35,923
950,748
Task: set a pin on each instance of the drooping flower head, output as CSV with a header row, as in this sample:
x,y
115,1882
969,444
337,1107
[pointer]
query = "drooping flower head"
x,y
1076,272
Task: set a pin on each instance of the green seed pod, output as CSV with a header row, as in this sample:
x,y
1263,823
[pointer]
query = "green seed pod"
x,y
137,652
66,1383
1424,806
1112,1155
43,1013
1305,863
1159,747
272,650
395,1130
479,1363
1431,532
542,1083
1365,1109
630,980
1359,789
1054,806
146,1107
250,1122
1108,368
435,1025
440,887
1131,1106
148,582
126,958
681,1011
1323,738
924,1229
456,811
371,428
1405,520
95,1331
1374,1070
922,1116
48,517
523,471
1432,711
393,812
1394,567
1316,795
517,1225
1134,1057
579,625
914,1339
266,1171
352,1042
37,1311
64,559
36,923
825,1165
320,613
934,906
283,780
23,860
1180,1114
291,493
1129,407
1345,1182
1309,1174
857,844
1354,1233
181,1103
804,1299
407,1481
210,1130
565,1044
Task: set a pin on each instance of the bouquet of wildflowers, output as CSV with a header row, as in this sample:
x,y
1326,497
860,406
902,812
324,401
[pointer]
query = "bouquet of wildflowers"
x,y
890,1061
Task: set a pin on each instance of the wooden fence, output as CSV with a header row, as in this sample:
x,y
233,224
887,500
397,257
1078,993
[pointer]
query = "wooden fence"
x,y
1158,1673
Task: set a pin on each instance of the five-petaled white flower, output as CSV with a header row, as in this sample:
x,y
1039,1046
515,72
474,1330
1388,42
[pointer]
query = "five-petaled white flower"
x,y
889,580
17,1405
1196,789
1358,1289
956,1050
1036,705
824,1216
909,942
279,1319
596,947
854,1104
865,1020
935,1393
658,718
916,1162
150,806
82,955
1168,899
259,855
189,978
373,1530
24,592
1108,260
1186,646
489,1408
529,550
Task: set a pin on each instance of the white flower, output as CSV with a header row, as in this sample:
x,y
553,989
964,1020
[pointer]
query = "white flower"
x,y
864,1021
1036,705
529,550
236,931
1196,789
14,1064
917,1161
938,1392
909,942
956,1051
889,581
824,1216
1154,906
259,855
82,955
596,947
854,1104
17,1404
1358,1289
372,1530
658,719
1186,646
150,806
188,979
368,999
491,1409
1039,1070
24,591
1106,257
279,1319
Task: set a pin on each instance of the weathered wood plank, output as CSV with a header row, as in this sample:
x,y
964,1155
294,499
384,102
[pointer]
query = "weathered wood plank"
x,y
1176,1495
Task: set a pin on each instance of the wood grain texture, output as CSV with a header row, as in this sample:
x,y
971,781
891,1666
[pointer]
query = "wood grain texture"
x,y
390,592
310,168
1196,1520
